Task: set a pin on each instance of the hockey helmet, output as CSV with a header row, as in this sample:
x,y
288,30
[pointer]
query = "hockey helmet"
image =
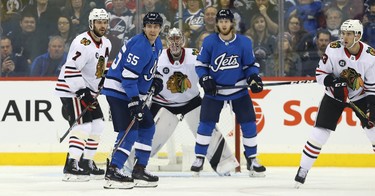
x,y
97,14
224,13
175,40
352,25
153,18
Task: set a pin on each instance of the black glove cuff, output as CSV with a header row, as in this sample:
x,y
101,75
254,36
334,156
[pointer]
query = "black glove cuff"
x,y
134,101
328,80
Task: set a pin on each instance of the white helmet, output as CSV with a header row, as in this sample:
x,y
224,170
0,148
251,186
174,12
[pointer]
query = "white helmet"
x,y
175,40
353,25
97,14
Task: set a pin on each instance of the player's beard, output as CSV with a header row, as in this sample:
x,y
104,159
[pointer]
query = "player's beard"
x,y
226,32
97,33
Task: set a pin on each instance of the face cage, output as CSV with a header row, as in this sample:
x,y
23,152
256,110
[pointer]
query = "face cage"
x,y
175,44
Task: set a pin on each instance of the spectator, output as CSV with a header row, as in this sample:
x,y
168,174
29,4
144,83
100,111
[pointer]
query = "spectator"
x,y
200,39
292,62
65,31
268,10
192,16
263,42
120,26
78,11
24,39
369,24
310,59
50,63
209,24
44,14
9,18
228,4
301,39
351,9
309,11
11,64
334,19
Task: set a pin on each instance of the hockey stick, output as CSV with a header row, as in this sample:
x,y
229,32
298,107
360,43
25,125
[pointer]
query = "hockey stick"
x,y
358,110
149,96
269,84
79,117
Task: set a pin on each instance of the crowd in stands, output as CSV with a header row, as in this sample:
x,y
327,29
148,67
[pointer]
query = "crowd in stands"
x,y
36,34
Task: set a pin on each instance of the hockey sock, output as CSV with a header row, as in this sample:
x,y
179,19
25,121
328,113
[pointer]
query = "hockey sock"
x,y
124,149
371,136
313,147
143,145
77,140
249,137
91,147
203,138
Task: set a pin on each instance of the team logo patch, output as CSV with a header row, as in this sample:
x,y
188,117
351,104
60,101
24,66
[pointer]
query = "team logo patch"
x,y
353,78
371,51
166,70
85,41
342,63
178,83
325,58
100,67
195,52
335,44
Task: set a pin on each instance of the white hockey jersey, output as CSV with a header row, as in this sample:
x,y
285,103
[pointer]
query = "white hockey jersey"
x,y
179,78
84,66
358,69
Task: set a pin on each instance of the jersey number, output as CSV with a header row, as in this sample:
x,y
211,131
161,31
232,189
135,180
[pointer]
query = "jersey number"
x,y
78,54
132,59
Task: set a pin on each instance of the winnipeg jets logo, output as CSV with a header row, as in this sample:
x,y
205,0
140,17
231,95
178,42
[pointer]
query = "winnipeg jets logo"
x,y
150,76
225,62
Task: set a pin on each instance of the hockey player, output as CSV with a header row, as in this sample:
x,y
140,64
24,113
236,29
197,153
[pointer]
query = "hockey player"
x,y
78,81
126,86
227,59
347,70
180,100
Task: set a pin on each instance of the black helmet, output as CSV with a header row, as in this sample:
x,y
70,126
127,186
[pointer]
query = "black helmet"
x,y
224,13
152,18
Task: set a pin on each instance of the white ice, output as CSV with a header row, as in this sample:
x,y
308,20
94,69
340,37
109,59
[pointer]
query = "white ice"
x,y
41,181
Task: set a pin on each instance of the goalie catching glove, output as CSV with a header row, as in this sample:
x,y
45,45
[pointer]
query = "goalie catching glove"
x,y
255,83
135,107
87,100
339,85
208,85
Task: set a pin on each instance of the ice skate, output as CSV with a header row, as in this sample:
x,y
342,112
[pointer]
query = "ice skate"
x,y
72,172
95,172
255,169
300,177
115,179
143,178
197,166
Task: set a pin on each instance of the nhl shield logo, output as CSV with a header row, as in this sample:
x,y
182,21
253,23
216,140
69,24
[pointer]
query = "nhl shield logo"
x,y
342,63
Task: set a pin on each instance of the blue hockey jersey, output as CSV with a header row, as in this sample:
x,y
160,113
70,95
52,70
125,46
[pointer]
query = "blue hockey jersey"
x,y
131,73
230,63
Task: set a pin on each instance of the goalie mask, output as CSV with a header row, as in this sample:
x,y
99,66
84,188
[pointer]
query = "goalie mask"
x,y
175,41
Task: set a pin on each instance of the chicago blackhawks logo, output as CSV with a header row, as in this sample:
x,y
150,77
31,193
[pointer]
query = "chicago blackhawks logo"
x,y
178,83
195,52
100,67
353,78
85,41
335,44
371,51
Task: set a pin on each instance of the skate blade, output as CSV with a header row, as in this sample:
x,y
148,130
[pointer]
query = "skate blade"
x,y
144,184
110,184
96,177
75,178
297,185
196,174
255,174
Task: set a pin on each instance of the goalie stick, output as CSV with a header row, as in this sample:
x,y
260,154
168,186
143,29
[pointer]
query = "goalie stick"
x,y
79,117
269,84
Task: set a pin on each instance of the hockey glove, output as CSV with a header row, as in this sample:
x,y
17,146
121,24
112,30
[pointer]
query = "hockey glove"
x,y
339,85
157,83
255,82
135,107
208,85
370,111
86,98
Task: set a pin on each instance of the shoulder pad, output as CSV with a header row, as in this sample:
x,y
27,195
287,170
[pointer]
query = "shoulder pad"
x,y
195,52
85,41
336,44
371,51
